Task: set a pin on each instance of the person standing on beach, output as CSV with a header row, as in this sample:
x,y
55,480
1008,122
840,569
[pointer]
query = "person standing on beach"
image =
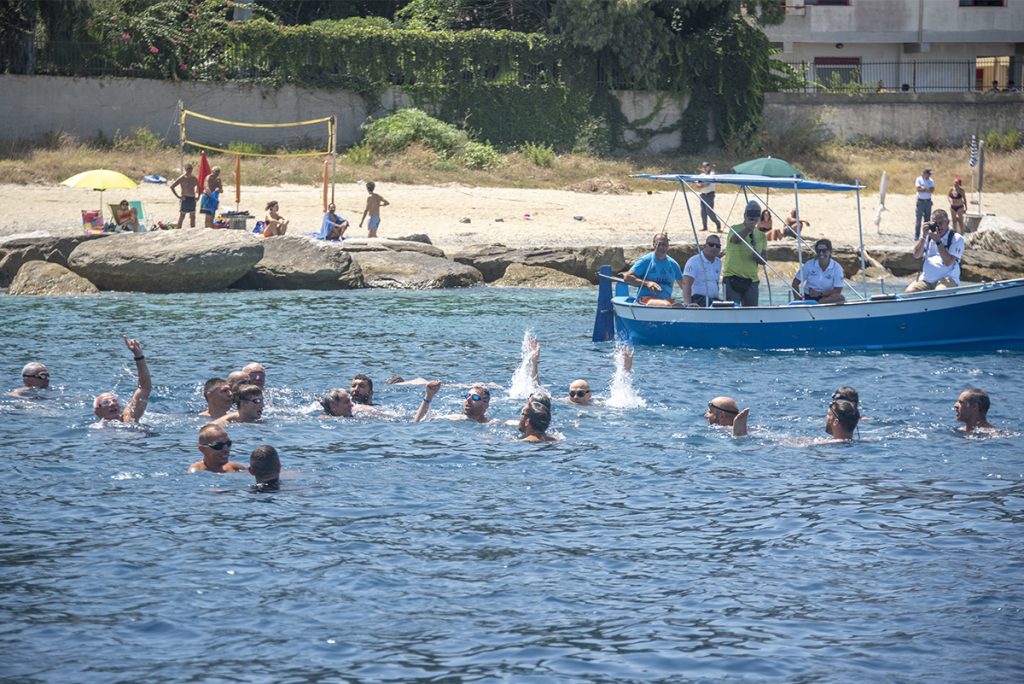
x,y
743,252
188,183
213,187
925,187
107,407
215,446
34,376
957,205
373,204
707,199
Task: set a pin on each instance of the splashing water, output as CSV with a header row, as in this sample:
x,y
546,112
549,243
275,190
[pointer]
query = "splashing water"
x,y
524,379
621,393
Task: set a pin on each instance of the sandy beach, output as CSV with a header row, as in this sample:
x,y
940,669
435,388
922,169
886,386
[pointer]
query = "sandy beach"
x,y
513,217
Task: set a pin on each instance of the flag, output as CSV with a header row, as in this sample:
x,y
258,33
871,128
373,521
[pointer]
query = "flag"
x,y
974,151
204,171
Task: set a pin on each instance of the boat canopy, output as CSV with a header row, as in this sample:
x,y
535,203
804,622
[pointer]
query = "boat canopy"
x,y
751,181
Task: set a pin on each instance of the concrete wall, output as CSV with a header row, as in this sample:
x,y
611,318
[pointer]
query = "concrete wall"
x,y
916,119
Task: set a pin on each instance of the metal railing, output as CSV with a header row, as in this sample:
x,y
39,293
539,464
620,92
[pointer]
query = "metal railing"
x,y
895,77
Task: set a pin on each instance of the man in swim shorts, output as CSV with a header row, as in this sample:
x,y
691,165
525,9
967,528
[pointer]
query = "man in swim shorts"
x,y
34,376
219,398
215,446
188,183
107,407
725,412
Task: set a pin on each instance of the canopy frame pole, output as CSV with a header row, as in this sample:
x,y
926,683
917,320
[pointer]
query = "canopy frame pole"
x,y
181,137
860,235
696,238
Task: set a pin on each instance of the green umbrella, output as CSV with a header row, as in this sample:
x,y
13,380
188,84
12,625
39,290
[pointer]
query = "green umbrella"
x,y
768,166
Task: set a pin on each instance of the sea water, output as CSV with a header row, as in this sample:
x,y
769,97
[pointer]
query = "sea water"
x,y
642,545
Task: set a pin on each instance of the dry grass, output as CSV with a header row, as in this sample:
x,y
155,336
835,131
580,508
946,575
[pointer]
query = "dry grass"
x,y
51,163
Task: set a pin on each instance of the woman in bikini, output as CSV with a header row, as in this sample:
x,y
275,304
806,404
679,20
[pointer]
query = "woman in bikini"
x,y
957,205
274,223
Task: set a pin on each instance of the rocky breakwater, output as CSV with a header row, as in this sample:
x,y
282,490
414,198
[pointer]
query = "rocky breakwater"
x,y
16,251
583,262
167,261
408,265
302,263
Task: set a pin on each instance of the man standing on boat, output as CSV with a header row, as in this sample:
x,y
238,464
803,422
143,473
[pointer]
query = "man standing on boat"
x,y
821,278
707,199
925,187
942,250
701,273
654,273
743,253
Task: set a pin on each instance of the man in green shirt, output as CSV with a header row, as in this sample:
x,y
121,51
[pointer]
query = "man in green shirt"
x,y
743,253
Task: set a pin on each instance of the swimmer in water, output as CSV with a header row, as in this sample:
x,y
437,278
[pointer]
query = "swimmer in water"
x,y
256,374
474,406
215,446
535,418
219,398
107,407
250,407
265,466
337,404
34,376
972,410
725,412
841,420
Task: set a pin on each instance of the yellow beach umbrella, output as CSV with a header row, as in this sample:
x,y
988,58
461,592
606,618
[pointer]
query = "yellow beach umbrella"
x,y
100,179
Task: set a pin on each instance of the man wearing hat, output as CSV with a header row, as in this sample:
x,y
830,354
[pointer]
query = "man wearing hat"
x,y
925,187
743,253
707,199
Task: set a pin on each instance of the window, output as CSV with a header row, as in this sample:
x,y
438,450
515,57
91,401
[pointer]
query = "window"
x,y
983,3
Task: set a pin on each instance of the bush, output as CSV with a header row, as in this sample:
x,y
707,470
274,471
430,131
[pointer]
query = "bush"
x,y
140,139
479,156
359,154
244,147
539,155
406,126
1002,142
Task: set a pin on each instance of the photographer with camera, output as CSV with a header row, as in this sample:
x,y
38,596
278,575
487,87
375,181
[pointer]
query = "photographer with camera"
x,y
942,250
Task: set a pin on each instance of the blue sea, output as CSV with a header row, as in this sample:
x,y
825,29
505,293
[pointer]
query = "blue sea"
x,y
641,546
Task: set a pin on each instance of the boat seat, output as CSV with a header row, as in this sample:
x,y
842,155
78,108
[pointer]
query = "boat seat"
x,y
884,298
803,302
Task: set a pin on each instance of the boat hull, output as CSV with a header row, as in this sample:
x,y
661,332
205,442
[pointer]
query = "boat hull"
x,y
986,317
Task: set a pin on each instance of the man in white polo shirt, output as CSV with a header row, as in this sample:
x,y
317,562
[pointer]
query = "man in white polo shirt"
x,y
925,187
942,250
821,277
701,274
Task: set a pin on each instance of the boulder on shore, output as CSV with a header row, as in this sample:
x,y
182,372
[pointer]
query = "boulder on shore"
x,y
583,262
16,251
388,245
413,271
167,261
43,278
520,275
302,263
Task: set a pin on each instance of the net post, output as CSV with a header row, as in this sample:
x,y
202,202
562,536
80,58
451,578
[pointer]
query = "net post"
x,y
181,137
334,151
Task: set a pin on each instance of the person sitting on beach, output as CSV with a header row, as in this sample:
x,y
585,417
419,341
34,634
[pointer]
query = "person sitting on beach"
x,y
250,406
972,410
794,226
107,407
213,186
821,278
256,373
701,274
725,412
34,376
841,420
334,225
274,223
654,273
188,184
337,404
219,398
942,250
126,218
215,446
535,418
765,225
265,466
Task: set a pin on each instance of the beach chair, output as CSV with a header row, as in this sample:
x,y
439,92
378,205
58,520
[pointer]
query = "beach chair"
x,y
140,211
92,220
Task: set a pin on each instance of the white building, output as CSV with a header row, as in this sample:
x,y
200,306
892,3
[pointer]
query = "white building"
x,y
910,45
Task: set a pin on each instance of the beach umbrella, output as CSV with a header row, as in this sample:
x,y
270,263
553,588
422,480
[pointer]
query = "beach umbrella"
x,y
100,179
768,166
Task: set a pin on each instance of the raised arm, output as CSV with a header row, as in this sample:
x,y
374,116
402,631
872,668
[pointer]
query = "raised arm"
x,y
534,348
431,391
137,406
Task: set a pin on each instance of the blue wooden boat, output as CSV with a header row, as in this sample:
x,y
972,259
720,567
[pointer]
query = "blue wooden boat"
x,y
986,316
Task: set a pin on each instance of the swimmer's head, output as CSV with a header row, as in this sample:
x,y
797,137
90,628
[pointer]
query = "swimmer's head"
x,y
107,407
256,374
476,402
336,402
218,391
35,375
264,463
361,389
579,392
536,413
215,446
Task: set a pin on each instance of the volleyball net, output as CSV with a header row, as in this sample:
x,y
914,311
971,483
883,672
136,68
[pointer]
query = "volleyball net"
x,y
313,138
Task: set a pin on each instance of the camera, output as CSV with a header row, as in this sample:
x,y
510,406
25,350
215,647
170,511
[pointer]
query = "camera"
x,y
931,226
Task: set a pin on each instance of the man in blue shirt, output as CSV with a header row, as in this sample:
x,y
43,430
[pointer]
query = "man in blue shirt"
x,y
655,273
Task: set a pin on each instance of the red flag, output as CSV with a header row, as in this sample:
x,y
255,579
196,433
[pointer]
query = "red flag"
x,y
204,170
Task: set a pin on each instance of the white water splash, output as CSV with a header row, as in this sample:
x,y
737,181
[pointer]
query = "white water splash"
x,y
621,393
524,380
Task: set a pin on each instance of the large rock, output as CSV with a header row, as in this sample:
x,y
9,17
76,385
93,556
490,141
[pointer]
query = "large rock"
x,y
43,278
413,271
977,266
302,263
519,275
582,262
15,251
1000,237
388,245
899,261
168,261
